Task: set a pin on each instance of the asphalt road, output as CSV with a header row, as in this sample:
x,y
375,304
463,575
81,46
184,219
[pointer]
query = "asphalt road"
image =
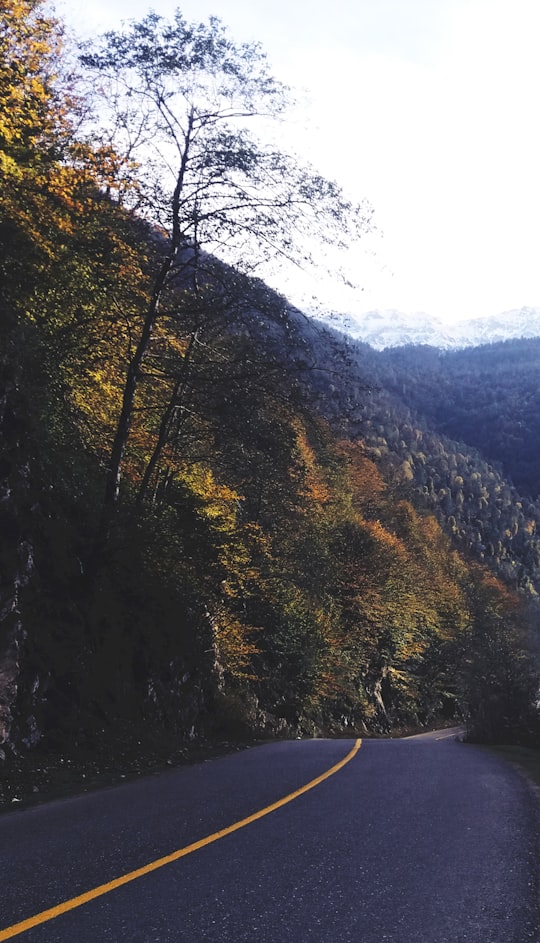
x,y
422,840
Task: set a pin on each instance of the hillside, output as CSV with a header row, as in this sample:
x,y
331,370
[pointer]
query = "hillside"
x,y
220,519
485,396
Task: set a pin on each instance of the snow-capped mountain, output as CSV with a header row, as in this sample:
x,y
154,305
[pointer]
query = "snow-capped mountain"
x,y
394,328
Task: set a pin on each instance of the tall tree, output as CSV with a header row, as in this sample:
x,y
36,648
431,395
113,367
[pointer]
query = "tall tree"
x,y
181,99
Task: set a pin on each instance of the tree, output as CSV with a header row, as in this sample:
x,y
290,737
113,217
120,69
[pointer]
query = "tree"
x,y
498,671
180,98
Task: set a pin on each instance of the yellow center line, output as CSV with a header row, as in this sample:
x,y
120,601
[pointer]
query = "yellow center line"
x,y
52,912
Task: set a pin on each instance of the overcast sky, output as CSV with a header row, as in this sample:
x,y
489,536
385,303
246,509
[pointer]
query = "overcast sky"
x,y
430,109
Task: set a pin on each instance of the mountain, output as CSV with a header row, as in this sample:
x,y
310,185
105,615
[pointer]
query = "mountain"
x,y
484,396
391,328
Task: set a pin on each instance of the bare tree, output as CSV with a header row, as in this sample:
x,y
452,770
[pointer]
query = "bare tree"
x,y
182,100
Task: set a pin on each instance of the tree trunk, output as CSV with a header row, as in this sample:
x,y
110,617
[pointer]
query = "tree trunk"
x,y
114,470
174,401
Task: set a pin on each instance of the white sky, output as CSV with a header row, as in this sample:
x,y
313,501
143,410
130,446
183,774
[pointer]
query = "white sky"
x,y
430,109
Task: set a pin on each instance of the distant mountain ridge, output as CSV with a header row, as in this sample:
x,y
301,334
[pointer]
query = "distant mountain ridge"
x,y
391,328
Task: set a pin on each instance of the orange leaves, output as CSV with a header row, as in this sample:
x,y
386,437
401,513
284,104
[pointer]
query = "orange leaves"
x,y
489,595
386,544
100,166
384,574
314,486
365,479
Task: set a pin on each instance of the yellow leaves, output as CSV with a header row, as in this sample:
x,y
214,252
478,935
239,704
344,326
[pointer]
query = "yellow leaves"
x,y
8,166
97,402
237,544
233,643
218,503
29,45
405,471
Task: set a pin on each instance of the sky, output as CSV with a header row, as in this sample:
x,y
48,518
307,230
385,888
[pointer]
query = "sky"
x,y
427,108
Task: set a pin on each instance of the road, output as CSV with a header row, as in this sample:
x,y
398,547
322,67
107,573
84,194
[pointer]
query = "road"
x,y
422,840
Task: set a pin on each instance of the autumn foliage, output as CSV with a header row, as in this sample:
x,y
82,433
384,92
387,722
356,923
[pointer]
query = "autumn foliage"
x,y
260,572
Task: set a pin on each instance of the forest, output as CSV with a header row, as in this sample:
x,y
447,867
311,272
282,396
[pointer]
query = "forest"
x,y
220,520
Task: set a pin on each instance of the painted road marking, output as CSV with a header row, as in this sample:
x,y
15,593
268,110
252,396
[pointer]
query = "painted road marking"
x,y
52,912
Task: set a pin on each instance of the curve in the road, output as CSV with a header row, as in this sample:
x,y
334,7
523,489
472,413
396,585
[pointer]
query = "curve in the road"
x,y
16,929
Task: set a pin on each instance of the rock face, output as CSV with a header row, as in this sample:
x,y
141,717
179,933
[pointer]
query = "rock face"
x,y
71,675
16,551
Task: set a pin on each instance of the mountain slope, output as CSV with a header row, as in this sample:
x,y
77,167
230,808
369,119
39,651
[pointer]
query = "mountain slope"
x,y
487,397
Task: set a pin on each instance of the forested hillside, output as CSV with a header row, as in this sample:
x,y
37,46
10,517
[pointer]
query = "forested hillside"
x,y
485,396
214,520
